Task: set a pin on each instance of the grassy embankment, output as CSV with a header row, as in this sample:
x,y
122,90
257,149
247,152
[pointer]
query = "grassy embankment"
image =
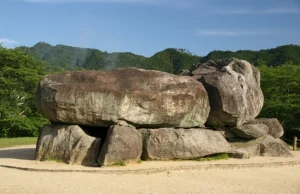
x,y
10,142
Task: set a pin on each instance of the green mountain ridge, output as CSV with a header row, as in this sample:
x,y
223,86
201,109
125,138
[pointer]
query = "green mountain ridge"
x,y
62,57
270,57
68,58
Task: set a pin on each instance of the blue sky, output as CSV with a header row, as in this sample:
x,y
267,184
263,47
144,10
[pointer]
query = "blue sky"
x,y
147,26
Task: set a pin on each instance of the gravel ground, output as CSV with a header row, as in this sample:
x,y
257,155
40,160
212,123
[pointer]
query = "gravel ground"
x,y
269,180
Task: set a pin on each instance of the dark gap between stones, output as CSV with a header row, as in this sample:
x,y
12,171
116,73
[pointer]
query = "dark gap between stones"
x,y
98,132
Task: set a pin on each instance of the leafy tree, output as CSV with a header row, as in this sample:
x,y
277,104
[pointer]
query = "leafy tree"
x,y
281,90
19,76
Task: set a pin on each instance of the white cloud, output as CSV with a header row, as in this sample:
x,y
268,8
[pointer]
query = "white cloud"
x,y
261,12
227,32
8,43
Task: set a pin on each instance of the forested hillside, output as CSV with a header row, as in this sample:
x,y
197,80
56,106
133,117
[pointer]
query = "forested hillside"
x,y
67,58
270,57
23,67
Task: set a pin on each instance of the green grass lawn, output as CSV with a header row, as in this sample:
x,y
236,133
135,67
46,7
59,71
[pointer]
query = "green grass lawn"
x,y
213,157
207,158
10,142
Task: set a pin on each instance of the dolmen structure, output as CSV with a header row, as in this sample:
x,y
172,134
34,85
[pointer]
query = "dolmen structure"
x,y
120,116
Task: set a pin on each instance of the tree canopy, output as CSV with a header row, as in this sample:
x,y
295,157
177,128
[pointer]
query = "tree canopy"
x,y
19,75
281,90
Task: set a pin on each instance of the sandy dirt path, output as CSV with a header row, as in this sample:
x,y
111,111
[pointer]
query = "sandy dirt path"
x,y
285,180
269,180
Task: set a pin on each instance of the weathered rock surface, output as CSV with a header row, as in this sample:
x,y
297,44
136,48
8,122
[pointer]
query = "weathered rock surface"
x,y
67,143
169,143
123,145
234,91
250,131
264,146
139,97
226,133
271,146
245,150
275,128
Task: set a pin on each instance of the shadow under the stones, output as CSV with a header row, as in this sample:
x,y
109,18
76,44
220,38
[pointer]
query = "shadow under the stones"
x,y
18,153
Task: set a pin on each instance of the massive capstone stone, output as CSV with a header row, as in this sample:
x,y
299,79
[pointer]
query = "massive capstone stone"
x,y
68,144
169,143
139,97
234,91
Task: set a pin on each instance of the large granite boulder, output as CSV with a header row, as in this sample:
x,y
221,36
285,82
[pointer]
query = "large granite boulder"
x,y
263,146
274,147
275,128
234,91
250,131
123,145
67,143
169,143
245,150
139,97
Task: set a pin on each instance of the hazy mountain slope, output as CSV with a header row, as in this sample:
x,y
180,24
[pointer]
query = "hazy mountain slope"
x,y
67,58
61,57
271,57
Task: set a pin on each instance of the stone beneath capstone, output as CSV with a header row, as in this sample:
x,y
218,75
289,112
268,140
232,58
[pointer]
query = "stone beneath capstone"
x,y
245,151
226,133
123,145
275,128
264,146
68,144
250,131
275,147
169,143
234,91
139,97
